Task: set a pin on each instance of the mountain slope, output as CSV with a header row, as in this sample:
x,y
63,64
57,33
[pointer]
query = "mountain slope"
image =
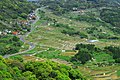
x,y
11,10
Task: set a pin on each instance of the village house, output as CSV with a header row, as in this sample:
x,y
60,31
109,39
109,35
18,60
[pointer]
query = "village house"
x,y
15,32
74,9
4,33
7,31
25,22
31,16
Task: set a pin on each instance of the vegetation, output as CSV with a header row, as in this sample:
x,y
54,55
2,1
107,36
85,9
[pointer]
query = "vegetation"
x,y
9,44
71,20
70,31
111,16
63,6
118,73
62,26
114,52
52,54
83,56
12,13
11,9
14,69
89,52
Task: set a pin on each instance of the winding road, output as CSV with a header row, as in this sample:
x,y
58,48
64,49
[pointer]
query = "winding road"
x,y
22,37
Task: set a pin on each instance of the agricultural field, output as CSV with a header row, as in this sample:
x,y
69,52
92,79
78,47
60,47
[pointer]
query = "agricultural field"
x,y
52,44
60,40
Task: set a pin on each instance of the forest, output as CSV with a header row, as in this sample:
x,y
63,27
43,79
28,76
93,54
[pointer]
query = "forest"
x,y
17,69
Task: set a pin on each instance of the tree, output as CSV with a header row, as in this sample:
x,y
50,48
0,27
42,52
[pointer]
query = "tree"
x,y
15,38
83,56
24,15
29,76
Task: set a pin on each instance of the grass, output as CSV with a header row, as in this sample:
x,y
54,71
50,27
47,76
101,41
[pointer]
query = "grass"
x,y
68,53
118,73
52,55
103,57
24,47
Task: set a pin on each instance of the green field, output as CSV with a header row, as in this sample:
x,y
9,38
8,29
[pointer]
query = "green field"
x,y
47,37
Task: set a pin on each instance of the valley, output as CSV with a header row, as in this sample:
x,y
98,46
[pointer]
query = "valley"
x,y
80,41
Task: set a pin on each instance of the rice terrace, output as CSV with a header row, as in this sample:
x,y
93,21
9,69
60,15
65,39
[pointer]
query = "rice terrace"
x,y
60,39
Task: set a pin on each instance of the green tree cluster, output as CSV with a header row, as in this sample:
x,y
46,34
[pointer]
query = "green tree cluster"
x,y
15,70
111,16
115,52
87,52
60,7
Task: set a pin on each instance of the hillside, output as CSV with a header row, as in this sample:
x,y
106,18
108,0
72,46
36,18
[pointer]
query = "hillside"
x,y
11,12
64,27
34,70
60,40
11,9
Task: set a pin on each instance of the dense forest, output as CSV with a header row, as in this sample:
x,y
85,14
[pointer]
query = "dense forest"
x,y
17,69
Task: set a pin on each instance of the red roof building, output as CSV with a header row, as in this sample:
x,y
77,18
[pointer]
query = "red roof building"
x,y
15,33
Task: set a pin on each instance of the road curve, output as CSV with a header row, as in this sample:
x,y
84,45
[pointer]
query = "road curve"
x,y
22,38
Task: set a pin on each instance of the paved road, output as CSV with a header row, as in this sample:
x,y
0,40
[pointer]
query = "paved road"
x,y
22,38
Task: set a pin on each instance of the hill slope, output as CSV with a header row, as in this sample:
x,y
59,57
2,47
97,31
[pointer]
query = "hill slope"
x,y
11,10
